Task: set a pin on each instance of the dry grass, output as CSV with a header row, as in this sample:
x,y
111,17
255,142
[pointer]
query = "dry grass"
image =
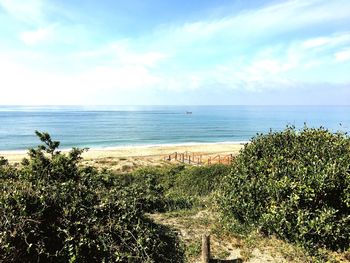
x,y
252,248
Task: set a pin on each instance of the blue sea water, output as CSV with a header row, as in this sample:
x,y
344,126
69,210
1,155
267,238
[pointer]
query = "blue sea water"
x,y
111,126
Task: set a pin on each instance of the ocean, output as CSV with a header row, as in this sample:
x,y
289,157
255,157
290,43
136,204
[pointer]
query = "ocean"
x,y
113,126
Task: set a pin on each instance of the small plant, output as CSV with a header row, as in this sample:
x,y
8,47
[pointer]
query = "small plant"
x,y
193,249
3,161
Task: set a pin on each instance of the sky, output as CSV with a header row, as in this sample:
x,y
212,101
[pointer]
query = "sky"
x,y
153,52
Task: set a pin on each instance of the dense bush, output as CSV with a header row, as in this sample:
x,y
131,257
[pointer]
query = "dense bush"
x,y
295,184
201,180
178,186
53,210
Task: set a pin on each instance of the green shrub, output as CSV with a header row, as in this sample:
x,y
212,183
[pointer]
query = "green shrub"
x,y
163,176
53,210
200,180
155,187
6,170
176,187
293,184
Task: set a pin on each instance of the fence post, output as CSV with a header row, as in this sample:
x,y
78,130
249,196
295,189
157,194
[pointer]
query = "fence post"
x,y
176,156
205,248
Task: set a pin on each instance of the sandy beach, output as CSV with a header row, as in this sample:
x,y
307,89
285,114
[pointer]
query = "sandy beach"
x,y
128,158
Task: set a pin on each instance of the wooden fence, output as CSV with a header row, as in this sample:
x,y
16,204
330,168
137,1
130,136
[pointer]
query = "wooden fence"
x,y
199,159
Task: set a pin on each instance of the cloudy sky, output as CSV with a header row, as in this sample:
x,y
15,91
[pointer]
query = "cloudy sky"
x,y
174,52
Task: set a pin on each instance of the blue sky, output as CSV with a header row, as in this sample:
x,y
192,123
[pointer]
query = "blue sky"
x,y
175,52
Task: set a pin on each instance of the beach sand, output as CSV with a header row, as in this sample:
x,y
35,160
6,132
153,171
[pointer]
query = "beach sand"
x,y
125,159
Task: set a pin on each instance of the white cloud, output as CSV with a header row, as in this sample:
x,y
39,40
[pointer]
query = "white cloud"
x,y
37,36
256,24
316,42
30,11
268,68
119,78
329,41
121,53
260,48
254,50
21,84
342,56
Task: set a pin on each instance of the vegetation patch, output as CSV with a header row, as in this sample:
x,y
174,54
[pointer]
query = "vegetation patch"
x,y
286,186
292,184
53,210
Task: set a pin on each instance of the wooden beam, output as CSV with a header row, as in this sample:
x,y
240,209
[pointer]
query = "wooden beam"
x,y
205,248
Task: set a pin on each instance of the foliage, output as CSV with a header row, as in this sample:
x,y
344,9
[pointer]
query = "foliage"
x,y
295,184
53,210
178,186
200,181
6,171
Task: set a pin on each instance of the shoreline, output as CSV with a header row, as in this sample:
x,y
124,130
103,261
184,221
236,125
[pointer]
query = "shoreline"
x,y
152,152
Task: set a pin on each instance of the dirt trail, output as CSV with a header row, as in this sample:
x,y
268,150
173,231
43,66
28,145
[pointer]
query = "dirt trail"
x,y
192,225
